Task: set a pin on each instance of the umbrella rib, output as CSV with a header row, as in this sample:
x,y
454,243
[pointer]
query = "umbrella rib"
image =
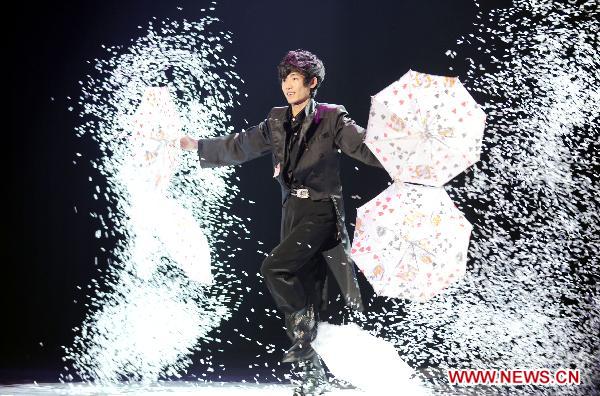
x,y
391,139
413,244
410,242
439,140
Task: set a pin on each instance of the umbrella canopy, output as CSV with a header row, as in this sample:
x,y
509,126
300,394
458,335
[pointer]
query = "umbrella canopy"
x,y
411,241
425,129
161,226
155,137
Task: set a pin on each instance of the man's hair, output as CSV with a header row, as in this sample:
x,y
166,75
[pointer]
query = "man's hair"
x,y
305,63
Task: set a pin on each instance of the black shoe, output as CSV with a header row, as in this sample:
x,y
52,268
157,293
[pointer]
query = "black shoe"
x,y
340,384
299,351
314,380
301,326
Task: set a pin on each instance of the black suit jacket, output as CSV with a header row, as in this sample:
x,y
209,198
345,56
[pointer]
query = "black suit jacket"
x,y
328,130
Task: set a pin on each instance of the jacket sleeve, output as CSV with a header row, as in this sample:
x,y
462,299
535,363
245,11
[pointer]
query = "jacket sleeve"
x,y
235,148
349,137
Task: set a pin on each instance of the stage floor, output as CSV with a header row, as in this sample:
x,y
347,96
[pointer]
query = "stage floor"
x,y
433,383
246,389
167,388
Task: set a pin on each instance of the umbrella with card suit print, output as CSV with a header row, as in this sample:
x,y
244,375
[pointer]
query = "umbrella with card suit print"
x,y
156,130
411,241
425,129
155,133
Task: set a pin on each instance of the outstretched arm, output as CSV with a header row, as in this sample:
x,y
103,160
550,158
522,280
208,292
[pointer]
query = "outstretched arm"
x,y
349,137
231,149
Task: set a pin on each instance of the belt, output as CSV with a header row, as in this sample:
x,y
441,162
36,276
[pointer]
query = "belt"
x,y
300,192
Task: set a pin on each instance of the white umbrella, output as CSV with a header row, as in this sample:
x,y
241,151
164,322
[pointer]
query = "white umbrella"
x,y
161,225
425,129
156,130
411,241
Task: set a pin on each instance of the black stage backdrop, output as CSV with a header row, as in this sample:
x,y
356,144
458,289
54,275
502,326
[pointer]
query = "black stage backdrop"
x,y
48,249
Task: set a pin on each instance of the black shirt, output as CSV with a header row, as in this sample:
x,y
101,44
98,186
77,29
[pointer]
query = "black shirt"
x,y
293,145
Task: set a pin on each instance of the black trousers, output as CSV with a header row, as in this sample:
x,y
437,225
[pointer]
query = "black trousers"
x,y
295,270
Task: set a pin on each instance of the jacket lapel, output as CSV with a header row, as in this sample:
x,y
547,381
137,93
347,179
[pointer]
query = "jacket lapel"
x,y
306,124
278,137
308,119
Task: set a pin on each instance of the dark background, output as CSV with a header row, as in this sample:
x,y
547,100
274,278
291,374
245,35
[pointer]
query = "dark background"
x,y
48,249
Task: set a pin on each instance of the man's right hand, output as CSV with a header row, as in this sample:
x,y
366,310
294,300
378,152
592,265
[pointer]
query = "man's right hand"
x,y
188,143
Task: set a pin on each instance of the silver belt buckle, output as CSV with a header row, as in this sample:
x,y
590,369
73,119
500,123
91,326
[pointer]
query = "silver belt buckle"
x,y
301,192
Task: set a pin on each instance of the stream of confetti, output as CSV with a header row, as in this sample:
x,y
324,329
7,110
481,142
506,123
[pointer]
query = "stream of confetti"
x,y
531,295
146,315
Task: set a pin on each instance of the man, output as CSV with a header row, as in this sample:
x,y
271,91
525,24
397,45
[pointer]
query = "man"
x,y
303,140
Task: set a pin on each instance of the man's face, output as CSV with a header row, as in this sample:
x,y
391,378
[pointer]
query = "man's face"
x,y
294,89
